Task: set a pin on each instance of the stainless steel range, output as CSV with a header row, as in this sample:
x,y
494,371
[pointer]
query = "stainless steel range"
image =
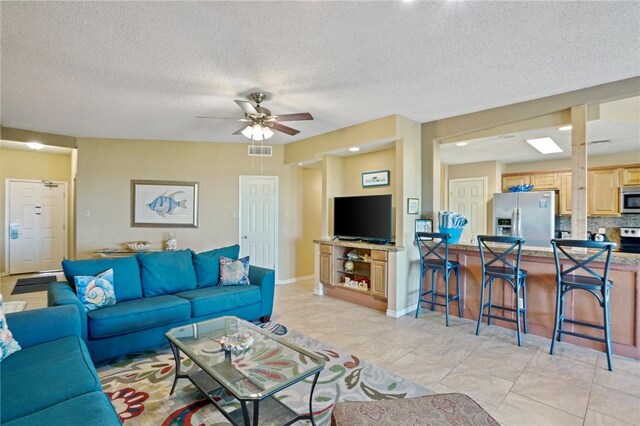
x,y
630,240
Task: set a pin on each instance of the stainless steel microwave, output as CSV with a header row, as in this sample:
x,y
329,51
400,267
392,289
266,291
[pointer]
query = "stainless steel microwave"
x,y
630,199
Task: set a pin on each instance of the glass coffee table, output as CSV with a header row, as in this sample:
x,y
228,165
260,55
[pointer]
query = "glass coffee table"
x,y
253,376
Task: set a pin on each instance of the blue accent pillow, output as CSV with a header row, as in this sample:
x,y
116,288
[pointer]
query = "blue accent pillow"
x,y
95,292
167,272
234,272
126,274
207,264
8,344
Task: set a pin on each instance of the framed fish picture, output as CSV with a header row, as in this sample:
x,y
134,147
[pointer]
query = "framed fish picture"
x,y
164,204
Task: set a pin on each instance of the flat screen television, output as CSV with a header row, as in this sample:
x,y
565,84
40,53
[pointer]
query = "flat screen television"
x,y
366,217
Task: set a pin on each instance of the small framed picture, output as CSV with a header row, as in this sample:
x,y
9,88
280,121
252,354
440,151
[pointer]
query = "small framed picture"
x,y
379,178
413,205
424,225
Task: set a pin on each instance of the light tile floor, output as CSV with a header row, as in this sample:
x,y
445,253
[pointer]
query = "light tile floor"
x,y
517,385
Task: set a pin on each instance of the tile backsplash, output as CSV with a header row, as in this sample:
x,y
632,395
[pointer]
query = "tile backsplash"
x,y
611,224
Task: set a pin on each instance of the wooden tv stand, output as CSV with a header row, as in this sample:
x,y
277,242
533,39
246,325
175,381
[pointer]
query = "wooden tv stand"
x,y
367,283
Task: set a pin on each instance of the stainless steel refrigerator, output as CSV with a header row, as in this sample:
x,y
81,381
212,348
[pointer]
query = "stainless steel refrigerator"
x,y
525,214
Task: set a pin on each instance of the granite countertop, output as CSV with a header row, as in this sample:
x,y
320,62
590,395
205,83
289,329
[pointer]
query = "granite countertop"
x,y
359,244
616,257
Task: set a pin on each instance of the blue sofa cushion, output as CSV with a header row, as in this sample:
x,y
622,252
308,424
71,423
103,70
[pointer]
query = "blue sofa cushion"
x,y
126,274
40,376
167,272
212,300
207,264
134,315
92,408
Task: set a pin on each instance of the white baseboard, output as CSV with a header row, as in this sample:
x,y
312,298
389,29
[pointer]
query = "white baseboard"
x,y
400,313
318,292
293,280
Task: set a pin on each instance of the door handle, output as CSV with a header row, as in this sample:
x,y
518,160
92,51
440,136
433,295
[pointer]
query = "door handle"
x,y
245,237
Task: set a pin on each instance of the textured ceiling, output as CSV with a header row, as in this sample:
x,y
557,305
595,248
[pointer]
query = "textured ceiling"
x,y
147,69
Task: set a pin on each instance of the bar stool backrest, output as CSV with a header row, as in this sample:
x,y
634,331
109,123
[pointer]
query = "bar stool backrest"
x,y
428,246
580,263
499,254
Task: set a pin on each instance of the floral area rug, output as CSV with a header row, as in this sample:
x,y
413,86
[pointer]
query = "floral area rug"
x,y
139,384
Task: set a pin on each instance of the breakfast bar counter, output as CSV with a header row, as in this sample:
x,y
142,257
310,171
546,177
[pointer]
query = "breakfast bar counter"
x,y
541,296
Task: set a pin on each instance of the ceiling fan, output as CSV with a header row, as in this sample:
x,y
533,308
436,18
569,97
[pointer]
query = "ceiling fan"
x,y
260,121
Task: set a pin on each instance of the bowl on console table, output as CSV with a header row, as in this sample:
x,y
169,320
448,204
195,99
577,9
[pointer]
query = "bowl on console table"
x,y
138,245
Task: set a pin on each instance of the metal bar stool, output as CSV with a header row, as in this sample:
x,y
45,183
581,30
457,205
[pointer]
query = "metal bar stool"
x,y
431,259
596,284
499,266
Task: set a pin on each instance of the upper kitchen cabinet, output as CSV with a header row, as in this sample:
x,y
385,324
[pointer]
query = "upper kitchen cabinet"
x,y
540,181
630,176
508,181
565,198
603,192
545,181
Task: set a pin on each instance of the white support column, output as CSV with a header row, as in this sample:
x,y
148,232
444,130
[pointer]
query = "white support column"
x,y
579,172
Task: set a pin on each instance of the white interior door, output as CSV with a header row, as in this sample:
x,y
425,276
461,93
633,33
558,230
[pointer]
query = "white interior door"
x,y
258,219
469,197
36,225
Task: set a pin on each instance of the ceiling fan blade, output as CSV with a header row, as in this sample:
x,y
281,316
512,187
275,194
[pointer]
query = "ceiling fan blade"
x,y
225,118
247,107
294,117
216,118
239,131
284,129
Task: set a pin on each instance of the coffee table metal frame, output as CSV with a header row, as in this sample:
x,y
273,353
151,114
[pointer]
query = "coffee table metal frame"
x,y
277,413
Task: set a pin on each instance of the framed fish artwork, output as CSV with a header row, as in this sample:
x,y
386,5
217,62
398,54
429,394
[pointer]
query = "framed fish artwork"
x,y
164,204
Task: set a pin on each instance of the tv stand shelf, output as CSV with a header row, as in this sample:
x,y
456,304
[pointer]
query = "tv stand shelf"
x,y
370,276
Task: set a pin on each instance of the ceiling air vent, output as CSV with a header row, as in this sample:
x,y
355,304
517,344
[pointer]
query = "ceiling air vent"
x,y
260,151
600,141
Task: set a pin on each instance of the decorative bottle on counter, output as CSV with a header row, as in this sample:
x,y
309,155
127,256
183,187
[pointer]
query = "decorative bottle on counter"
x,y
171,244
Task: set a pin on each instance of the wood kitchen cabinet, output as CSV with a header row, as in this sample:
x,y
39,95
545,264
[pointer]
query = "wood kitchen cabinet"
x,y
565,198
379,273
630,176
325,263
544,181
508,181
603,192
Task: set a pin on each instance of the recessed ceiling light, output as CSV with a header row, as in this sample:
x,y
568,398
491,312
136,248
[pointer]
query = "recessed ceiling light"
x,y
545,145
35,145
354,149
462,143
565,128
299,164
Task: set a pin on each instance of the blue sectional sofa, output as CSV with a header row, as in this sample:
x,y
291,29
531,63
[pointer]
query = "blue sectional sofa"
x,y
158,291
51,380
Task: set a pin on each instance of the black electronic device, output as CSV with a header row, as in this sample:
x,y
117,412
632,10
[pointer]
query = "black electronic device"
x,y
366,217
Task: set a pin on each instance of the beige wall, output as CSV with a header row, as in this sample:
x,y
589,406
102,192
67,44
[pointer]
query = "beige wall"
x,y
310,220
107,166
355,165
492,170
33,165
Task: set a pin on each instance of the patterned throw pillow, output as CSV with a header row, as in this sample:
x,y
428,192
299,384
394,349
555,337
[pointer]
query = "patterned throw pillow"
x,y
95,292
234,272
8,344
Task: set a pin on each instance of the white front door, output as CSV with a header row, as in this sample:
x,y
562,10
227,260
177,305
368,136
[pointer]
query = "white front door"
x,y
258,219
36,225
469,197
